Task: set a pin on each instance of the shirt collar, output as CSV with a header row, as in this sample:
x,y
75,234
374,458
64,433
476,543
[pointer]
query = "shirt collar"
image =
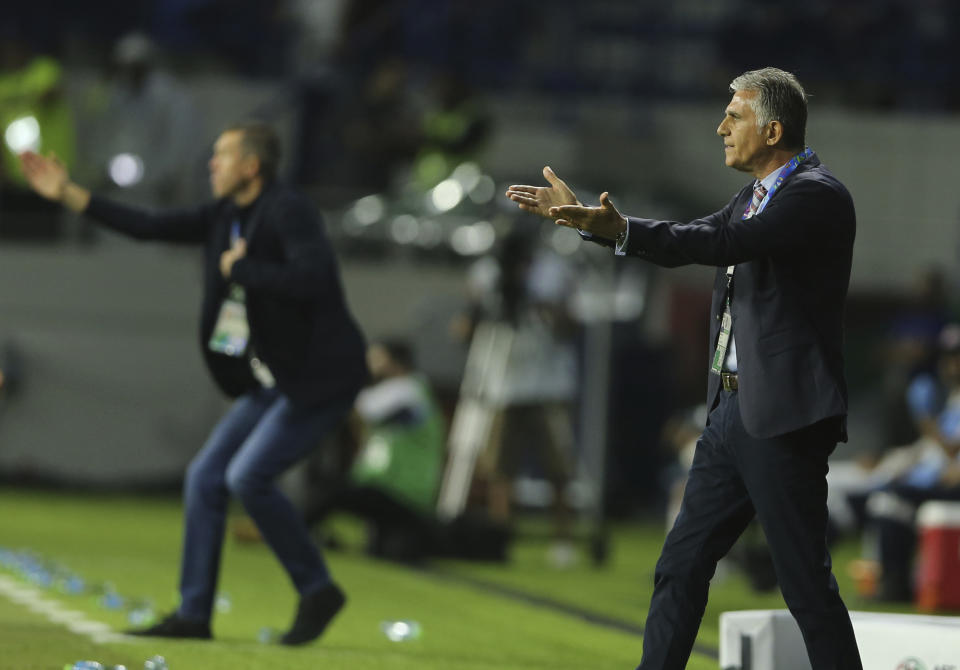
x,y
771,178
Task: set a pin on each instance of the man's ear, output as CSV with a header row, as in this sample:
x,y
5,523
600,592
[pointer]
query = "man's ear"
x,y
773,133
251,165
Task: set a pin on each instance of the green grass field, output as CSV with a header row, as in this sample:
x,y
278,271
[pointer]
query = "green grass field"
x,y
134,544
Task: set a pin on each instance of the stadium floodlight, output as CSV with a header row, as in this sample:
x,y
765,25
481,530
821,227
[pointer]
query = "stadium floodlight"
x,y
23,134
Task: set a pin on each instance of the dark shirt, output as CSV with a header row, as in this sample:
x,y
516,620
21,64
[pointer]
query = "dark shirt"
x,y
300,325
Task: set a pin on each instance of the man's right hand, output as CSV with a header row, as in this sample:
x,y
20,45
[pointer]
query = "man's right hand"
x,y
49,178
539,199
46,175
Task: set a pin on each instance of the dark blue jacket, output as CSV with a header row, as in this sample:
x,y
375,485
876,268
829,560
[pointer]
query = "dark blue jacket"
x,y
299,322
789,288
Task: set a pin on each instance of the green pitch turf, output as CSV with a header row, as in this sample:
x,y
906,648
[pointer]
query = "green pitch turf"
x,y
134,545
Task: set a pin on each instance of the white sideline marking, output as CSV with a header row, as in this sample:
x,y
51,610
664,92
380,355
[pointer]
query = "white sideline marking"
x,y
66,616
76,622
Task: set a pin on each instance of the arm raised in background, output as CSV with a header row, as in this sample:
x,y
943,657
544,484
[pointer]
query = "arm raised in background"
x,y
49,178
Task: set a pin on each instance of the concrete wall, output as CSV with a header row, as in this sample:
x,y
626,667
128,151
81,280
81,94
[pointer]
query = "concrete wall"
x,y
114,388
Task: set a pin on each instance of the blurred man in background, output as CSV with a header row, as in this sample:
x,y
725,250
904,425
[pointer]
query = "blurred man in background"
x,y
276,335
777,395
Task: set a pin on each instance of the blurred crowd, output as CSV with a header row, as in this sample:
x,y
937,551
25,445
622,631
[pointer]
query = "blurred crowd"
x,y
402,81
899,53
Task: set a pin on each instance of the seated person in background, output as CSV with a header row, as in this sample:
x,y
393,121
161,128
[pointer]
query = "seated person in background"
x,y
395,477
927,394
927,470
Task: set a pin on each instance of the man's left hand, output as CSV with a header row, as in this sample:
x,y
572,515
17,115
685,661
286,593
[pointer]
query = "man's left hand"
x,y
231,256
603,221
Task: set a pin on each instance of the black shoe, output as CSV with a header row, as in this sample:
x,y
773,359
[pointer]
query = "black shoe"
x,y
174,626
313,614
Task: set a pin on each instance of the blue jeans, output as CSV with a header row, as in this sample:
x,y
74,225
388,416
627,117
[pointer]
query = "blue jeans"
x,y
260,437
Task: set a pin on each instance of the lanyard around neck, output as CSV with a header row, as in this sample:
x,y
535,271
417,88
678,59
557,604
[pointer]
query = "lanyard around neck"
x,y
787,170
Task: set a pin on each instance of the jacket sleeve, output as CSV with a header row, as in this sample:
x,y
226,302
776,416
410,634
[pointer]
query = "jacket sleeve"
x,y
307,255
190,226
641,243
602,241
659,257
811,214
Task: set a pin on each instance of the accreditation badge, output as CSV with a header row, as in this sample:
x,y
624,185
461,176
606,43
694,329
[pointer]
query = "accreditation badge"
x,y
726,324
231,334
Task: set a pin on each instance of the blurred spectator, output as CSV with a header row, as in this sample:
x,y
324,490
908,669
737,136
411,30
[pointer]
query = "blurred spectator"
x,y
318,27
528,289
453,128
909,349
928,469
251,38
380,133
394,480
34,116
146,145
370,31
395,133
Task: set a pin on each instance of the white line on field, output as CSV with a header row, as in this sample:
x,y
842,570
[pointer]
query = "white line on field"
x,y
76,622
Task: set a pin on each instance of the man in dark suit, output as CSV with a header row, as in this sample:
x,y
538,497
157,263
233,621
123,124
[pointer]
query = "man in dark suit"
x,y
778,401
276,335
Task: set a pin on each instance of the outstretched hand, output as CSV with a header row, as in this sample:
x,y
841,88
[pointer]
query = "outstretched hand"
x,y
45,174
604,221
540,199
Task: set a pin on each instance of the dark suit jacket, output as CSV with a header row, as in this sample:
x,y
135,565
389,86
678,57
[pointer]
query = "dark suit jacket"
x,y
789,288
299,322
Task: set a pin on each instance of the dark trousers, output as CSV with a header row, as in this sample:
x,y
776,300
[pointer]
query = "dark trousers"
x,y
260,437
734,477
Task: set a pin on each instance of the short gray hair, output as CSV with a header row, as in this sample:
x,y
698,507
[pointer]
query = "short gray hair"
x,y
780,97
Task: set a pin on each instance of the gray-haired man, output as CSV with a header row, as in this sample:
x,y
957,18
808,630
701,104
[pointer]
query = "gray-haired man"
x,y
782,247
